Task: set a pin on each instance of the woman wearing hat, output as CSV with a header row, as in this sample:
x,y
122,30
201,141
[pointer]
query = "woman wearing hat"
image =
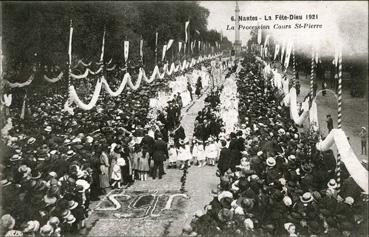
x,y
104,169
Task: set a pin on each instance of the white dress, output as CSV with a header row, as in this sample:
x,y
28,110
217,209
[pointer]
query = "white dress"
x,y
211,151
173,157
198,152
184,153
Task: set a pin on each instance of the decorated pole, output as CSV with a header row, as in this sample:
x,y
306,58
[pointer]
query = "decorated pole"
x,y
312,78
70,53
339,119
156,48
293,66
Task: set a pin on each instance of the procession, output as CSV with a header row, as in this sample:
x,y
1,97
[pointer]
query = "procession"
x,y
137,119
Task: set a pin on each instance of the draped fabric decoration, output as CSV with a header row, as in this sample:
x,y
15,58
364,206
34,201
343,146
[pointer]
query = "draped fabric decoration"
x,y
70,43
313,115
86,73
352,163
7,99
298,119
23,84
80,62
127,80
55,79
111,68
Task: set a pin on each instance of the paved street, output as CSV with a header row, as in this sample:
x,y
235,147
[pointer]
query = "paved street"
x,y
156,207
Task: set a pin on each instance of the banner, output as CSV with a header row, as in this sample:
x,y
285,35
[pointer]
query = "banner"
x,y
266,40
276,51
259,36
199,45
283,48
141,48
186,25
164,52
170,42
102,48
126,50
70,44
179,46
288,54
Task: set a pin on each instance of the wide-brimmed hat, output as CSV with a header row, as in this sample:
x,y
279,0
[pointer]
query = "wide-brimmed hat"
x,y
70,219
15,157
46,230
5,182
72,204
48,129
225,194
7,221
83,183
332,184
31,140
306,197
31,226
271,162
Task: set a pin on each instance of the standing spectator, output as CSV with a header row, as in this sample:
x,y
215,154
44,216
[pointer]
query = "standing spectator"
x,y
324,86
298,86
160,154
364,136
315,88
329,123
198,87
104,169
189,88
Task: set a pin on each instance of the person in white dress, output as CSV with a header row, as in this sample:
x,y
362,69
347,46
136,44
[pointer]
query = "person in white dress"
x,y
184,153
211,151
173,156
198,152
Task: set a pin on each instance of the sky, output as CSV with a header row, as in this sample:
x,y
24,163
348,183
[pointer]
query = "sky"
x,y
343,23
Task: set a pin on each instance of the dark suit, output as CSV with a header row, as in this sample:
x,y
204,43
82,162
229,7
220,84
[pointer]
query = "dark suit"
x,y
225,160
160,153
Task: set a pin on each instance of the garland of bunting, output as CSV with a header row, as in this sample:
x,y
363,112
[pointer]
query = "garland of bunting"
x,y
127,80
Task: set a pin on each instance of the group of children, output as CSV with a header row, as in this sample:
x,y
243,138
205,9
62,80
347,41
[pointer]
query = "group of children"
x,y
199,153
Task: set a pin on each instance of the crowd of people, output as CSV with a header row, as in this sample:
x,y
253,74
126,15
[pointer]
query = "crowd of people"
x,y
273,180
55,163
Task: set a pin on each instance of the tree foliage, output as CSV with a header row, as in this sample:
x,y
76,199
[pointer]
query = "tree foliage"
x,y
42,28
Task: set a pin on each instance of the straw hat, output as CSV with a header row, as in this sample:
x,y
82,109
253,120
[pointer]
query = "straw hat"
x,y
306,197
271,162
332,184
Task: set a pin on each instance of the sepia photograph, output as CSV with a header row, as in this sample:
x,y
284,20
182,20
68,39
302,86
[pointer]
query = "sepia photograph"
x,y
184,118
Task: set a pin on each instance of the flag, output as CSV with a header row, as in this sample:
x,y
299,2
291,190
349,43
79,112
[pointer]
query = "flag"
x,y
276,51
336,55
70,43
179,46
199,45
266,40
23,107
186,25
164,51
126,50
102,47
141,47
288,54
282,52
192,44
259,36
316,57
170,42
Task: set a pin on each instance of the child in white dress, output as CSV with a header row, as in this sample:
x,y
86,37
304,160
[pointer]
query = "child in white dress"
x,y
184,153
211,151
198,152
173,156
